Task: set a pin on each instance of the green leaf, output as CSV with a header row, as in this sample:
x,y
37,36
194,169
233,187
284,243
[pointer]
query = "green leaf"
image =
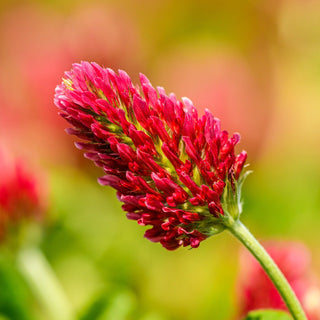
x,y
267,315
14,296
96,307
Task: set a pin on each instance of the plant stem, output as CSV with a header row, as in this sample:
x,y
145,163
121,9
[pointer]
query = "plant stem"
x,y
44,283
273,271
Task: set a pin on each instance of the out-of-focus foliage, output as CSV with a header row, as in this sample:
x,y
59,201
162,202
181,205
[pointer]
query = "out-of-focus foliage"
x,y
254,64
13,295
267,315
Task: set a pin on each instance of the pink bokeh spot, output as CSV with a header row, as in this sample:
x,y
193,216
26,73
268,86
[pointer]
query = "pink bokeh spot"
x,y
256,291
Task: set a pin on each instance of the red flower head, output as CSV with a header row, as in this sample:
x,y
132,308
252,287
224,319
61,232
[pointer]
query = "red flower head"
x,y
19,194
256,291
173,170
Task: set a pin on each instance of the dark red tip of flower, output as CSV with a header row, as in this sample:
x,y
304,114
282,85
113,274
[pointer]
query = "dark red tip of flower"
x,y
239,163
164,161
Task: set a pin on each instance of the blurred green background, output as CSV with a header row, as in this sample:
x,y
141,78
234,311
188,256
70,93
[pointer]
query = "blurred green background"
x,y
254,64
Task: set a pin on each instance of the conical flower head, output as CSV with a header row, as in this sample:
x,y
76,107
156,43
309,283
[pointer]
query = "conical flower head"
x,y
174,171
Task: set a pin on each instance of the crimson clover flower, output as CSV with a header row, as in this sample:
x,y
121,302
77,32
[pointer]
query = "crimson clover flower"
x,y
20,196
173,170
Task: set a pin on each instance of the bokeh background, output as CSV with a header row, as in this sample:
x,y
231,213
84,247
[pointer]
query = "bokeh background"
x,y
254,64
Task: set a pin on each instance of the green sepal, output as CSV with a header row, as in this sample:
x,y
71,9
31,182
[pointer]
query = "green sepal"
x,y
231,200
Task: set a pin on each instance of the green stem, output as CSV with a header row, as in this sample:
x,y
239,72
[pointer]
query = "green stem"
x,y
44,283
267,263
